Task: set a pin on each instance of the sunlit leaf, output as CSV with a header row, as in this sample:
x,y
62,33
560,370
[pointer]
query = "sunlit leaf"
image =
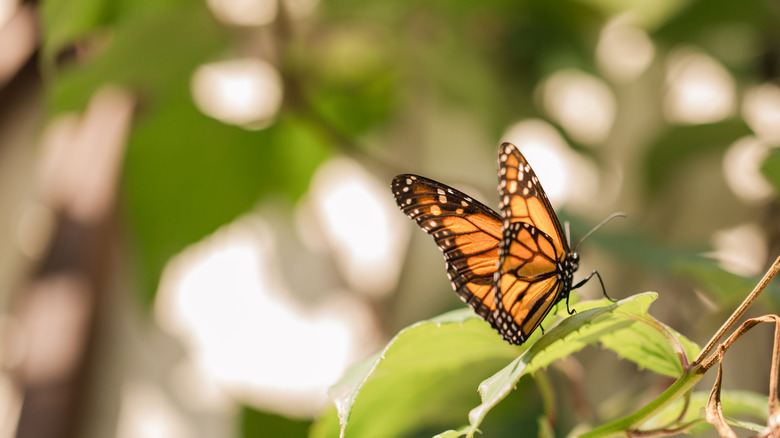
x,y
619,321
439,359
426,376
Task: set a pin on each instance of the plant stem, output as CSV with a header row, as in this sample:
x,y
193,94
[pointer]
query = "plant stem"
x,y
729,324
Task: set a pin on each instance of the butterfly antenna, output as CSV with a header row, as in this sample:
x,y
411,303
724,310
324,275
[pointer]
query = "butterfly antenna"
x,y
601,224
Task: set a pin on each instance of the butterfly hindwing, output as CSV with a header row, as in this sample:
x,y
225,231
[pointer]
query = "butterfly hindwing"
x,y
527,282
465,230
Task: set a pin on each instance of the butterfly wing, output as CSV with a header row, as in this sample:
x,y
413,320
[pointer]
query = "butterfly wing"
x,y
465,230
522,196
530,278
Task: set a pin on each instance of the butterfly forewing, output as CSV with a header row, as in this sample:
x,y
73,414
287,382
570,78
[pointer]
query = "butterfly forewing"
x,y
522,198
530,277
465,230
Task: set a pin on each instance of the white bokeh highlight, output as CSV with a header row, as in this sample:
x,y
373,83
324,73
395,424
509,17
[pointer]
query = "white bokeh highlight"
x,y
226,300
699,88
583,104
244,12
567,178
742,169
742,250
145,412
761,109
361,225
244,92
624,51
7,10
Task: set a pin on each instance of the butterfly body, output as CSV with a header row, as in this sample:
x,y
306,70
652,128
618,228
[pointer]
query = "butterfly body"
x,y
510,267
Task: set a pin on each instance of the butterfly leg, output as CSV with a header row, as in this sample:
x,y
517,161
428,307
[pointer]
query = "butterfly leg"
x,y
571,312
603,289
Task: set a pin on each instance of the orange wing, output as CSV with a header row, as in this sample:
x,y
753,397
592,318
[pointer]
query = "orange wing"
x,y
465,230
533,273
523,199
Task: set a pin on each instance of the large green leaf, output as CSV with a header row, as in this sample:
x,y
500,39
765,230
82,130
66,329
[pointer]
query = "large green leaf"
x,y
426,376
617,326
442,359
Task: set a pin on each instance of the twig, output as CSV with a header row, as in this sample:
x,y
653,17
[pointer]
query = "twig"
x,y
770,274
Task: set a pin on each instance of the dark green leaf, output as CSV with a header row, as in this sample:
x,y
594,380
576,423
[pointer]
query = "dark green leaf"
x,y
257,424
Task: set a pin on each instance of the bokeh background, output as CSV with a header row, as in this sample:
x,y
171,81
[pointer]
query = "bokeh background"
x,y
198,234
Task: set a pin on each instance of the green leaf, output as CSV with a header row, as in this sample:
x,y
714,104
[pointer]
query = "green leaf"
x,y
440,361
425,377
615,323
651,346
327,426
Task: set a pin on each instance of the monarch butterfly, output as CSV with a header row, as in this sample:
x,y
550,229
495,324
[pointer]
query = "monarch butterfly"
x,y
510,268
